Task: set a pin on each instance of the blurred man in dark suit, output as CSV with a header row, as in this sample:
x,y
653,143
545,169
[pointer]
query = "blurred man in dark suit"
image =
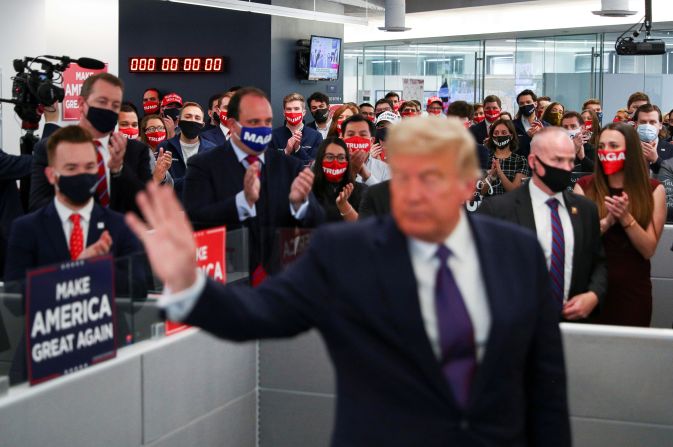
x,y
435,340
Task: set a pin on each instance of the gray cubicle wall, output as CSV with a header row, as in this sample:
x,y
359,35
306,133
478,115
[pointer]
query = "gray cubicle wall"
x,y
187,389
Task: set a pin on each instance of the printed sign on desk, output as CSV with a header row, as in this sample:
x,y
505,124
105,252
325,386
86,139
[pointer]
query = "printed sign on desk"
x,y
73,78
210,258
70,315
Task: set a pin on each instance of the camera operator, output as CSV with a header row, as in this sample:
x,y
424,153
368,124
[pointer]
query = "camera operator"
x,y
124,166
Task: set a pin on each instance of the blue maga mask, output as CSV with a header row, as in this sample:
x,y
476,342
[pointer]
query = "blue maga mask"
x,y
647,132
256,138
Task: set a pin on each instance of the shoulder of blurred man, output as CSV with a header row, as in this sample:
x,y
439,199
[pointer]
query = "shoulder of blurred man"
x,y
376,200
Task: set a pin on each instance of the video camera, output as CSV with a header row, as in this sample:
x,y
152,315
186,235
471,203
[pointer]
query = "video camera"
x,y
33,89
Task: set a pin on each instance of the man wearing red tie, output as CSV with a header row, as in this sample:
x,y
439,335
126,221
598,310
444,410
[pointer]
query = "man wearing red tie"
x,y
123,165
72,225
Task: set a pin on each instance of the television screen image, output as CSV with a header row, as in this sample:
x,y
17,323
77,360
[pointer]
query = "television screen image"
x,y
324,58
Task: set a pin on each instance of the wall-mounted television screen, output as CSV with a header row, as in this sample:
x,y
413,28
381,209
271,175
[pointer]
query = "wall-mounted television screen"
x,y
324,58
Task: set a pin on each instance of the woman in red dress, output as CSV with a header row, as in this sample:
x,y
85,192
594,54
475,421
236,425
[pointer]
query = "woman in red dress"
x,y
632,208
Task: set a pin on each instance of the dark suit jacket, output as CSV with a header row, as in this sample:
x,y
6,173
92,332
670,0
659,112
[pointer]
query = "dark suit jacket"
x,y
214,135
589,271
178,168
210,196
375,200
308,147
524,139
391,390
664,151
123,188
49,128
479,132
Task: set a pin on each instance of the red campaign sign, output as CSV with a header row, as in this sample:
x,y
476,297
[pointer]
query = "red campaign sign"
x,y
210,258
73,78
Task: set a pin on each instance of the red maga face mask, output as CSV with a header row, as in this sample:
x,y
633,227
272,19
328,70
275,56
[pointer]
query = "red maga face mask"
x,y
154,138
223,116
334,170
491,115
151,107
293,118
130,132
612,161
358,144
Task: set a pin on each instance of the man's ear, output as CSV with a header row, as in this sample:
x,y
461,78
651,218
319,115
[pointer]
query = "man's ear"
x,y
50,173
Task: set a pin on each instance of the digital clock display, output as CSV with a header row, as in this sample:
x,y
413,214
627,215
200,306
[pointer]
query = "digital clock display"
x,y
176,64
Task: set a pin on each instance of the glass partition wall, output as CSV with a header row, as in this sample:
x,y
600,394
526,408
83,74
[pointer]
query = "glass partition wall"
x,y
568,68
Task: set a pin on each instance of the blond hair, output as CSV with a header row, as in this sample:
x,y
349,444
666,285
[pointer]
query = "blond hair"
x,y
432,135
293,97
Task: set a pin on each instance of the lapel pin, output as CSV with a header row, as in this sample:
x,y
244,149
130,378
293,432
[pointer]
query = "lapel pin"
x,y
100,225
573,210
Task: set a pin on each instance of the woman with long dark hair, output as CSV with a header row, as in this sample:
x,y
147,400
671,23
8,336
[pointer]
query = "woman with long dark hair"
x,y
632,208
333,184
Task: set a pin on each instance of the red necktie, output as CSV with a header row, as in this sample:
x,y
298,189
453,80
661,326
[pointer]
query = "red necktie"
x,y
253,159
101,185
76,237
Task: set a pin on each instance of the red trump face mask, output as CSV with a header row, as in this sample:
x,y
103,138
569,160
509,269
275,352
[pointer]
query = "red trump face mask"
x,y
293,118
151,107
334,170
358,144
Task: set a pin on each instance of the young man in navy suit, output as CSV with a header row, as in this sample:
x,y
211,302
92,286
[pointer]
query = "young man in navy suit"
x,y
293,138
72,225
440,325
186,144
219,134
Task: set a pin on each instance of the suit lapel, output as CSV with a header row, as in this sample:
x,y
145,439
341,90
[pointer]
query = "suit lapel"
x,y
524,208
96,225
578,232
396,277
486,244
54,229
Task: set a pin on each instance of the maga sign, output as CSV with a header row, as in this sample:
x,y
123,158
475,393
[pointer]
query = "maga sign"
x,y
69,317
73,78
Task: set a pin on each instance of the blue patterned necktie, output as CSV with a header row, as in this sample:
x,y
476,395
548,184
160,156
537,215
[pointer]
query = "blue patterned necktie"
x,y
456,334
557,265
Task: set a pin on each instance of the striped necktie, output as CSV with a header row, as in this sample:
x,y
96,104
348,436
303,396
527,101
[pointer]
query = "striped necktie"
x,y
557,265
102,191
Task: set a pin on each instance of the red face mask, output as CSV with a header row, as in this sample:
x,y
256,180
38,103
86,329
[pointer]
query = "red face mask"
x,y
151,107
434,112
338,126
612,161
370,118
407,114
293,118
396,107
334,170
491,115
154,138
223,116
358,144
588,125
478,119
130,132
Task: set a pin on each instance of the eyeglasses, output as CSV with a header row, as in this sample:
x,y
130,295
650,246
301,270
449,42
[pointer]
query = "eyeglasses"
x,y
331,157
155,129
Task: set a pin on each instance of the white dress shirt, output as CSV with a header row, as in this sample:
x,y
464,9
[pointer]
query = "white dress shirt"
x,y
246,211
324,131
225,130
378,172
542,214
466,269
64,214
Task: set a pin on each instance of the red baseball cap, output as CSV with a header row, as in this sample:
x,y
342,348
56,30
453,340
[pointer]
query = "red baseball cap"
x,y
171,98
435,99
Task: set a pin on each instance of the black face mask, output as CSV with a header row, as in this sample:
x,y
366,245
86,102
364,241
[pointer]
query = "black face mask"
x,y
527,110
381,133
320,115
103,120
78,188
216,118
556,179
190,129
172,112
502,141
